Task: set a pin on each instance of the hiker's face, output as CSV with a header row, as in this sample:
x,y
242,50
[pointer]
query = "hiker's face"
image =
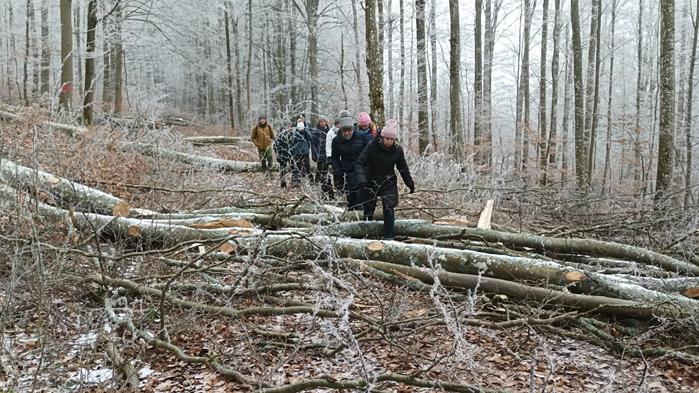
x,y
263,122
346,133
322,123
388,142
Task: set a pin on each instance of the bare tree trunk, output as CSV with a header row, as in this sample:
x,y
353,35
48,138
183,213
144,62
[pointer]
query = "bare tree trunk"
x,y
595,109
491,21
608,148
229,66
314,85
433,73
77,47
639,87
688,116
678,170
238,69
118,61
107,60
478,83
423,131
66,94
45,48
374,63
25,76
342,70
522,116
391,113
567,98
541,146
590,91
667,98
401,94
528,11
248,86
581,144
88,103
457,142
358,58
549,158
35,51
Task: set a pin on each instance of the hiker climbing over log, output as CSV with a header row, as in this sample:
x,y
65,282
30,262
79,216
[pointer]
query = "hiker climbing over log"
x,y
346,148
376,176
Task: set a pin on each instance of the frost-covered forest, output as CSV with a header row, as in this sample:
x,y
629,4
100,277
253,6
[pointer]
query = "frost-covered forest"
x,y
548,239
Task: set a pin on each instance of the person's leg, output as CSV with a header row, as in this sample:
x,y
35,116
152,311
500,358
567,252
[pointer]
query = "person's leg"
x,y
268,159
325,181
297,167
263,161
283,170
352,200
369,203
389,223
307,166
389,201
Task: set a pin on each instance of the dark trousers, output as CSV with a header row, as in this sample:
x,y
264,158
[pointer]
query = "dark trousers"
x,y
389,200
322,176
284,169
300,167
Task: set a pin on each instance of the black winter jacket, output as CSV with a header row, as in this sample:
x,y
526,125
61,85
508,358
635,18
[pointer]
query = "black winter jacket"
x,y
344,158
376,165
318,136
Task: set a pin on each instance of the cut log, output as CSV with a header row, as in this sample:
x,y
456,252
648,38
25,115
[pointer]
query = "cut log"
x,y
223,140
486,215
130,229
541,244
71,130
64,192
191,159
462,261
602,304
230,220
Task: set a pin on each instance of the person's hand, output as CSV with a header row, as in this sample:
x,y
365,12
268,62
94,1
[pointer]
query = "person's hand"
x,y
363,184
412,188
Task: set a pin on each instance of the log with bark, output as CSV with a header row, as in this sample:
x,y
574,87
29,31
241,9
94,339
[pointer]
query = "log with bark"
x,y
191,159
68,129
62,191
544,245
221,140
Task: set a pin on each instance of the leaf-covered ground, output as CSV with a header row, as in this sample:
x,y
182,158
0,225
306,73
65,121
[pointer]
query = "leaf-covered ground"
x,y
55,330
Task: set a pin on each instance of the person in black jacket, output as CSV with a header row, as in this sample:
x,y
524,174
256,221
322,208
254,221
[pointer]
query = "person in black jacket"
x,y
346,148
377,177
318,154
282,149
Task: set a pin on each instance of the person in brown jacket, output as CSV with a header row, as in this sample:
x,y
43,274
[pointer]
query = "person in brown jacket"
x,y
262,136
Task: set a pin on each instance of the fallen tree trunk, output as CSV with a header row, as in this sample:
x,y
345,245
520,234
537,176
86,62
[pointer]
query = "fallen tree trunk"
x,y
230,220
544,245
130,229
64,192
191,159
602,304
222,140
71,130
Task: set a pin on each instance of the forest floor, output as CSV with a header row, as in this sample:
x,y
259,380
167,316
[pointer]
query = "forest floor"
x,y
53,324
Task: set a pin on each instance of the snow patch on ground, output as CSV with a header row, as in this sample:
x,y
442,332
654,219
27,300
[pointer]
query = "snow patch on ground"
x,y
91,377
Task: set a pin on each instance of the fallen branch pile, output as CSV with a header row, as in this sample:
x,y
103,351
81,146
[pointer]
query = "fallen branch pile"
x,y
262,272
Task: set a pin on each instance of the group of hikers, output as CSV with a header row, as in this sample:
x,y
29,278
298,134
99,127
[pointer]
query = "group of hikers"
x,y
361,157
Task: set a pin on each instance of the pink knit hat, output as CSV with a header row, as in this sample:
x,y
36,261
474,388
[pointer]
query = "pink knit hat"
x,y
390,130
363,119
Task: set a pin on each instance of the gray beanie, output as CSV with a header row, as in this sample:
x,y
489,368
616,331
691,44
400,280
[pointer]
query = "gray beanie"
x,y
346,122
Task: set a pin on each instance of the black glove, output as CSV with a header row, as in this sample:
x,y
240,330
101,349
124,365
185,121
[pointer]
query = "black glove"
x,y
412,188
363,184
